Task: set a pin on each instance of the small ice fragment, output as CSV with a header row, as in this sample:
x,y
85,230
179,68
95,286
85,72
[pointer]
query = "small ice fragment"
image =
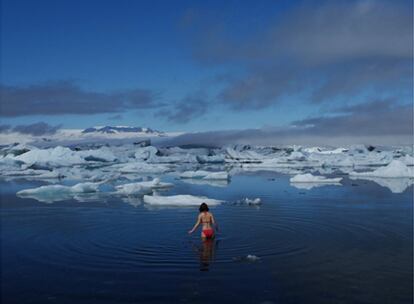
x,y
247,258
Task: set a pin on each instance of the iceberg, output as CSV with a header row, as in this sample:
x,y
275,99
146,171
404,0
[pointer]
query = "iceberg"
x,y
395,169
140,167
309,178
145,153
214,159
180,200
141,188
208,182
52,193
251,202
243,156
407,160
56,157
309,186
103,154
200,174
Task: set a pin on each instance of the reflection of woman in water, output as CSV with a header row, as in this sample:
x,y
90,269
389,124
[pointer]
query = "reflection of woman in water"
x,y
207,220
206,253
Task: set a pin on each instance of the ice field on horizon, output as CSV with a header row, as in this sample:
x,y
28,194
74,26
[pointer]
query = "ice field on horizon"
x,y
134,170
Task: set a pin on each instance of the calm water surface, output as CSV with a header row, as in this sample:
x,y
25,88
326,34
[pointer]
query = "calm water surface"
x,y
334,244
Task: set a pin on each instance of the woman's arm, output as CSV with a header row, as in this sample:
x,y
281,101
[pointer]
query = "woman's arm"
x,y
213,220
195,226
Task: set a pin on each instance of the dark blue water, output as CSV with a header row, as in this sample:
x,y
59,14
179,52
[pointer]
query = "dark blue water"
x,y
349,244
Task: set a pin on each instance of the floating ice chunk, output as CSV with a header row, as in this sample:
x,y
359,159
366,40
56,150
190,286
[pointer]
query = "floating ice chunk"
x,y
58,157
141,188
252,258
407,160
207,182
173,159
180,200
205,175
395,169
326,152
16,149
214,159
139,167
103,154
247,258
244,156
298,156
251,202
52,193
309,186
85,187
309,178
145,153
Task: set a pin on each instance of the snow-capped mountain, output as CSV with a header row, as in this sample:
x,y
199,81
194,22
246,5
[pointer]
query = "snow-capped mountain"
x,y
101,134
122,129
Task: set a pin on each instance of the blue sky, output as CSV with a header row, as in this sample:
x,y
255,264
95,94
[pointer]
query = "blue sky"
x,y
201,65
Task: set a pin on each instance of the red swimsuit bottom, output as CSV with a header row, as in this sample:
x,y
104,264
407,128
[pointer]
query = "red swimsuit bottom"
x,y
209,233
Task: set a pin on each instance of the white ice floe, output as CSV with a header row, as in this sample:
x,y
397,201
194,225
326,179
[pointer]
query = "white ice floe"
x,y
55,157
247,258
395,169
309,178
214,159
251,202
309,186
103,154
243,156
141,188
296,155
173,159
180,200
145,153
407,160
205,175
141,167
52,193
207,182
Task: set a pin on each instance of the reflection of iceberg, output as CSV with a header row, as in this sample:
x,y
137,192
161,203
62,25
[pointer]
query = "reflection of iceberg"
x,y
52,193
180,200
396,185
210,182
308,186
309,178
133,200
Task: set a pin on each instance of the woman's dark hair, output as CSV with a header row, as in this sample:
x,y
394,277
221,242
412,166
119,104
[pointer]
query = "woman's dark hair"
x,y
203,207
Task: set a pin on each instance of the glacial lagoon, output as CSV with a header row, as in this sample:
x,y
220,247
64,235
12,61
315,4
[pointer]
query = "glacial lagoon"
x,y
304,243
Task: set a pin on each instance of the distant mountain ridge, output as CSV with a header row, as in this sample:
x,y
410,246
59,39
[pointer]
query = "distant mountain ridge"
x,y
121,129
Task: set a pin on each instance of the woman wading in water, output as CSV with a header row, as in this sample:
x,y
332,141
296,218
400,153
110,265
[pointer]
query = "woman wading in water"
x,y
206,219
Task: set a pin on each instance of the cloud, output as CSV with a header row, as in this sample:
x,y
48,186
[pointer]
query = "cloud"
x,y
4,128
378,122
115,117
36,129
374,118
192,106
334,49
56,98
